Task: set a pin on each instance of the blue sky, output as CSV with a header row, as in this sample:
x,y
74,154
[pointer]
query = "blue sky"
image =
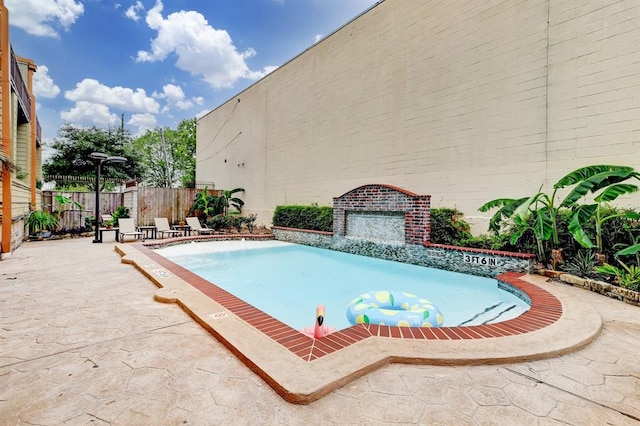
x,y
159,61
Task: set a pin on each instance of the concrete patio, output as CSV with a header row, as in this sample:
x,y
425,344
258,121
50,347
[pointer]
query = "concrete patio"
x,y
84,342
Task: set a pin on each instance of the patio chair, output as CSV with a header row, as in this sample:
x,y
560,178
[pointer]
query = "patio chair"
x,y
163,228
128,228
194,224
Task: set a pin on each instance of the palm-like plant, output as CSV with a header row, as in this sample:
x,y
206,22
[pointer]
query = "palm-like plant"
x,y
205,204
609,183
228,200
545,210
211,205
39,221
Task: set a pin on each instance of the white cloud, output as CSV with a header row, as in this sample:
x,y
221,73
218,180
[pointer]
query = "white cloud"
x,y
89,113
202,113
175,97
126,99
269,69
44,17
143,122
200,48
133,11
317,38
43,85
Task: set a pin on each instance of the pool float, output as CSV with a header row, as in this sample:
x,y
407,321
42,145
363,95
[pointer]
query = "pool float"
x,y
396,308
319,329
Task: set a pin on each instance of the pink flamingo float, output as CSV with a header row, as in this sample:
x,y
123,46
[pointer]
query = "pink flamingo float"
x,y
318,330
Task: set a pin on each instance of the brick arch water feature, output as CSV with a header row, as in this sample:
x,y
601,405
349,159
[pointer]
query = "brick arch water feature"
x,y
377,207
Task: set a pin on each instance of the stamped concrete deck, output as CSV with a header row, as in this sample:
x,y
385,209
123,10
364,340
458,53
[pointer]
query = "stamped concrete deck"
x,y
84,342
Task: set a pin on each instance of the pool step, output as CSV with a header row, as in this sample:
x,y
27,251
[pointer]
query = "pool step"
x,y
496,318
489,315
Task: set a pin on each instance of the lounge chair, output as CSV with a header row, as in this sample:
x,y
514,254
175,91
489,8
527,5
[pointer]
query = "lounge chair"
x,y
195,226
163,228
128,228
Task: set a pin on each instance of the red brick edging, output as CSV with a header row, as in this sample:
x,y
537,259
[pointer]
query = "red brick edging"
x,y
545,310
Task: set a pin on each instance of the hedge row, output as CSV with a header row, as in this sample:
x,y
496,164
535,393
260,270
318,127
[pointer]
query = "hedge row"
x,y
304,217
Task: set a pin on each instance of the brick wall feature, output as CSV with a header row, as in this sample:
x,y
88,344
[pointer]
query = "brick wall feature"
x,y
385,198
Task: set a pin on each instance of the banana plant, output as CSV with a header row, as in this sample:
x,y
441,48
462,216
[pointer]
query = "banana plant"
x,y
545,209
205,204
609,182
228,200
629,251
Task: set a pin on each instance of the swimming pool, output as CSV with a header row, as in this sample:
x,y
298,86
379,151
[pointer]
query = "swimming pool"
x,y
287,281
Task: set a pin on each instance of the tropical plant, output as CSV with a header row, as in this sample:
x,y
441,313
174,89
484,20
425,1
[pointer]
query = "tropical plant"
x,y
38,221
121,212
227,200
628,276
64,201
517,216
206,205
609,182
632,250
583,264
539,212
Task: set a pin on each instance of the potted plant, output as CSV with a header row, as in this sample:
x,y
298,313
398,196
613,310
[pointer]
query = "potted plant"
x,y
40,224
108,223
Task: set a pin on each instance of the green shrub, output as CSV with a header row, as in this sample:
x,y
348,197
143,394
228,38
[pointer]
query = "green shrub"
x,y
40,221
249,222
488,242
448,227
121,211
89,222
219,222
304,217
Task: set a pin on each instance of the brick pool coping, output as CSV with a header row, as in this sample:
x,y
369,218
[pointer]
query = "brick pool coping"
x,y
545,310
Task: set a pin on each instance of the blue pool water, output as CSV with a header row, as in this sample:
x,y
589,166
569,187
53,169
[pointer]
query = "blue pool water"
x,y
287,281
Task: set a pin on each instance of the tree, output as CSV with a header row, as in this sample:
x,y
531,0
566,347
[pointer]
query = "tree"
x,y
74,145
168,155
186,135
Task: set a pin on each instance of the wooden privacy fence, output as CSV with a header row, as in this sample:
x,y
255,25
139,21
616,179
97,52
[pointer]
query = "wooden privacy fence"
x,y
72,217
172,203
144,204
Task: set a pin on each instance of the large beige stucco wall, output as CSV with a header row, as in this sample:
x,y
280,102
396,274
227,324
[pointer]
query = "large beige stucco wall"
x,y
463,100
